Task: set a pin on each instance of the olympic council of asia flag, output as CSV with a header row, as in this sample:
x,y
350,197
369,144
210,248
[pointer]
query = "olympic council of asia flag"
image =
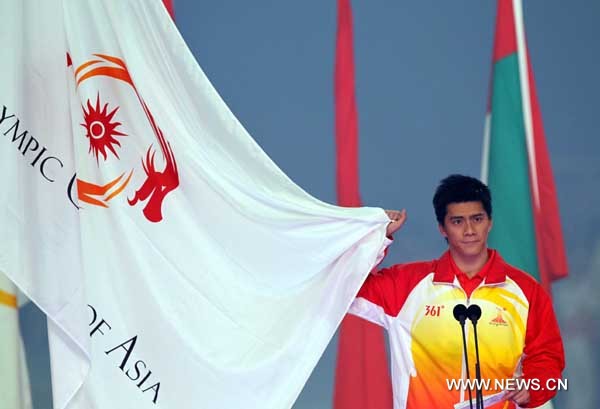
x,y
178,266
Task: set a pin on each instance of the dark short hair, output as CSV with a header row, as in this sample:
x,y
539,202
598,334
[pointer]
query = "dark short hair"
x,y
460,189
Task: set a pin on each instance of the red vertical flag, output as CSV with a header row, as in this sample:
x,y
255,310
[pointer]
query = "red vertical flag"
x,y
362,378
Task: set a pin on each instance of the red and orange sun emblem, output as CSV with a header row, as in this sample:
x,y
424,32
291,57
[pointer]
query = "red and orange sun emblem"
x,y
101,128
101,131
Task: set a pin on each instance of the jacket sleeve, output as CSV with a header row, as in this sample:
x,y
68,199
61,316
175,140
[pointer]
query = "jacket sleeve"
x,y
382,295
543,354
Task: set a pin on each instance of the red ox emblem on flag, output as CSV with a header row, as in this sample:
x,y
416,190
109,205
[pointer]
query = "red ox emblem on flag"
x,y
107,135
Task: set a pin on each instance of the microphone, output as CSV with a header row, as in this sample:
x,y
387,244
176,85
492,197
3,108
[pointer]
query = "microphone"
x,y
460,313
474,313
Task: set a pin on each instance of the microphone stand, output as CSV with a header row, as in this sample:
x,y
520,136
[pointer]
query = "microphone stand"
x,y
460,314
474,313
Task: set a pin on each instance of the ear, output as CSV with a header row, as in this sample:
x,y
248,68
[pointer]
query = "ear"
x,y
442,231
491,225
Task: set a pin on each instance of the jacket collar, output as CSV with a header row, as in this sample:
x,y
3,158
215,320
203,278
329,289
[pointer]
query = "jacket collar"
x,y
442,269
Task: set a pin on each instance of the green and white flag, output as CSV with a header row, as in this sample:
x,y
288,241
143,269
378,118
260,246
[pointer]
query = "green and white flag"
x,y
516,164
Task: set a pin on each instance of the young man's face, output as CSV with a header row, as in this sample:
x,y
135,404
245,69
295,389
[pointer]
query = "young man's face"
x,y
466,226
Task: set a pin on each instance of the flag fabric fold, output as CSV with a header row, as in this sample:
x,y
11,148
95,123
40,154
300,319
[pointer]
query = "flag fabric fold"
x,y
14,387
178,266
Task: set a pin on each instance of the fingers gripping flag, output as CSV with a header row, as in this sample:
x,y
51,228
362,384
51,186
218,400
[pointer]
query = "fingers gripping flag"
x,y
177,265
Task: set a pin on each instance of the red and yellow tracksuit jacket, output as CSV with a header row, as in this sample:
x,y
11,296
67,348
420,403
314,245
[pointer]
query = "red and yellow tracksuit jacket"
x,y
518,333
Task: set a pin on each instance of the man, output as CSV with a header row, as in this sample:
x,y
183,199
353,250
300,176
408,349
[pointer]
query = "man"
x,y
518,334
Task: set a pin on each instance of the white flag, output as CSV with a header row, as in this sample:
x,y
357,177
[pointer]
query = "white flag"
x,y
177,265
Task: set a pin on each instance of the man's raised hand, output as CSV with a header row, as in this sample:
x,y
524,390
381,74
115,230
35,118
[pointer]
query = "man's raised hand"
x,y
397,219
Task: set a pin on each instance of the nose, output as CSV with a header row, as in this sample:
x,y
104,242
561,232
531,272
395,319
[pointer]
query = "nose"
x,y
469,230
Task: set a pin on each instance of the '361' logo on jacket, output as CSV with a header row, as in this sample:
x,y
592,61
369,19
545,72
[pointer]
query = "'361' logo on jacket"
x,y
433,310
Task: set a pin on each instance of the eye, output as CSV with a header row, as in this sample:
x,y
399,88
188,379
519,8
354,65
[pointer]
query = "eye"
x,y
456,222
478,219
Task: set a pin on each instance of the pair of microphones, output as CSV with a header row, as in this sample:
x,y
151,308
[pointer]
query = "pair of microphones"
x,y
473,313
